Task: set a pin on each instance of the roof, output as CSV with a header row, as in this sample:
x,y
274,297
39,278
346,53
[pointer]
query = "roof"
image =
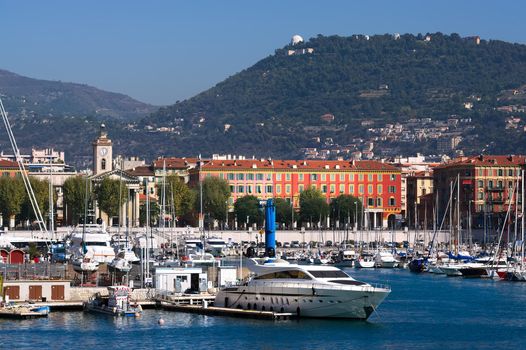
x,y
311,165
143,170
486,161
4,163
175,163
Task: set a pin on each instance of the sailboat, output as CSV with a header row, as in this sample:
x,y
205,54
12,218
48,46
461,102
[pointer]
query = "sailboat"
x,y
85,262
124,254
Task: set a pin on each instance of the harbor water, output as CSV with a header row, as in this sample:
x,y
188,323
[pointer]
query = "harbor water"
x,y
423,311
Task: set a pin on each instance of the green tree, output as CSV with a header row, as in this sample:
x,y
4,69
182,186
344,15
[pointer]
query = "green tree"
x,y
216,192
11,197
107,195
283,211
41,190
178,193
313,207
343,208
74,196
248,207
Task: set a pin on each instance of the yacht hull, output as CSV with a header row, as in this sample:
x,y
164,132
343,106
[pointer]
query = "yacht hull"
x,y
307,301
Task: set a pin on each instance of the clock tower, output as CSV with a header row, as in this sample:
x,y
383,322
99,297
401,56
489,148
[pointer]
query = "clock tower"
x,y
102,152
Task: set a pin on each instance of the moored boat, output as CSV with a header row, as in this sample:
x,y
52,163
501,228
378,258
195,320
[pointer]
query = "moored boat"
x,y
116,303
307,291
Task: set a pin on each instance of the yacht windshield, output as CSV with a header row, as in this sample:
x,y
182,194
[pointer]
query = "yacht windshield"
x,y
328,273
294,274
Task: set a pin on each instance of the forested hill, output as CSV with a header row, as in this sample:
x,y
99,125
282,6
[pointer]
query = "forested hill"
x,y
276,106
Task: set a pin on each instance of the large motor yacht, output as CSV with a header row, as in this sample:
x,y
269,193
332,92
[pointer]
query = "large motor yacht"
x,y
307,291
96,241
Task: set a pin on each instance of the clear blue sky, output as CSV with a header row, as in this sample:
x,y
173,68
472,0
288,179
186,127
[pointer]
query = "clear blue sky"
x,y
162,51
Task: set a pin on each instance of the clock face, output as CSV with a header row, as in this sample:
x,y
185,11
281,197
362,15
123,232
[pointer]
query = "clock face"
x,y
103,151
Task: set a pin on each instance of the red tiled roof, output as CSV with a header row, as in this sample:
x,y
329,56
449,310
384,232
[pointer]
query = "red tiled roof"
x,y
174,163
144,170
485,160
299,164
4,163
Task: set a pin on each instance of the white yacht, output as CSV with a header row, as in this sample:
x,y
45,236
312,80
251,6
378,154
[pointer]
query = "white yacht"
x,y
96,241
307,291
215,246
385,259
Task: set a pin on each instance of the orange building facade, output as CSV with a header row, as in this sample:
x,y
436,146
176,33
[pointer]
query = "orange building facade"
x,y
377,184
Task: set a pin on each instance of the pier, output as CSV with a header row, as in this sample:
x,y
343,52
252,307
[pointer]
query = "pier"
x,y
223,311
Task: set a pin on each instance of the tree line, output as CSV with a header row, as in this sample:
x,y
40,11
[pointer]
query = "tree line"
x,y
183,202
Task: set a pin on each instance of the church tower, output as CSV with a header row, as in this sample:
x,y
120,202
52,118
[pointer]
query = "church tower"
x,y
102,152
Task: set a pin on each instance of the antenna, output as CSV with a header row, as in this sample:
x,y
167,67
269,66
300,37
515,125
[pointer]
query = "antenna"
x,y
22,168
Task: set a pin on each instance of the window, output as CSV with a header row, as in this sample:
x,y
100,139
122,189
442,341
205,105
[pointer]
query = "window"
x,y
510,184
221,176
324,188
499,184
269,177
393,177
490,183
342,188
510,172
351,177
378,202
259,177
370,202
392,189
258,189
231,176
360,189
379,189
249,189
269,188
333,177
480,183
351,189
278,177
250,176
240,176
481,172
392,201
278,189
301,177
232,189
323,177
287,189
370,189
501,172
328,273
292,274
314,177
370,177
481,195
5,174
333,188
360,177
379,177
103,164
240,189
342,177
287,177
300,188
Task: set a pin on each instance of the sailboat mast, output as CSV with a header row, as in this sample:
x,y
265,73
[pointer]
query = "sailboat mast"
x,y
458,213
522,218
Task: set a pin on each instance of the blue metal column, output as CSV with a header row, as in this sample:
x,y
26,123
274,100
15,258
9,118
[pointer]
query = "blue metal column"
x,y
270,228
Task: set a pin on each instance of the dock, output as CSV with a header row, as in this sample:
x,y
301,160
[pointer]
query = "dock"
x,y
22,314
223,311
